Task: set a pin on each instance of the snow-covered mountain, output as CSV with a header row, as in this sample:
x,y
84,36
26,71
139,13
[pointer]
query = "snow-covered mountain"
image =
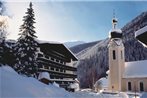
x,y
73,43
93,60
80,47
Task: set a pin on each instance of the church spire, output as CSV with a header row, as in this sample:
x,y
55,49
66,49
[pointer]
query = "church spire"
x,y
114,20
115,33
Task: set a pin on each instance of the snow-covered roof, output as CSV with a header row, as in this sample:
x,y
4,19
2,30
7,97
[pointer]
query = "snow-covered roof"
x,y
44,75
136,69
56,46
116,30
115,33
104,82
51,42
56,84
141,31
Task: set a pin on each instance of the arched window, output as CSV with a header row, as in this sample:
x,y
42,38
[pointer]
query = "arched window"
x,y
141,86
114,55
129,86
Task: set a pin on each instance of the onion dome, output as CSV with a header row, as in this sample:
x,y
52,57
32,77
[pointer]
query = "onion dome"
x,y
115,33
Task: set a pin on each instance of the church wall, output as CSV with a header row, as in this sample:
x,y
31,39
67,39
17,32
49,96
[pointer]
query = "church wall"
x,y
134,84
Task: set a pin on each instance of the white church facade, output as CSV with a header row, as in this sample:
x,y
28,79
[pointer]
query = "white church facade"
x,y
124,76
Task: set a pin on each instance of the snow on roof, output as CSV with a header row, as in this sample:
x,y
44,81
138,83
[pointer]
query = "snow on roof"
x,y
136,69
44,75
107,72
141,31
51,42
56,84
57,43
116,30
104,82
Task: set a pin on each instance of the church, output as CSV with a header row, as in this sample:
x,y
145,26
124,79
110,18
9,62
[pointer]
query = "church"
x,y
124,76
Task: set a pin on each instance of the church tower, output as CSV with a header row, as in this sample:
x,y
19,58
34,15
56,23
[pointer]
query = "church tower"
x,y
116,57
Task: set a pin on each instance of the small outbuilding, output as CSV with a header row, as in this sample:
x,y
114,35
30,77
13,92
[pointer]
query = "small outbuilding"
x,y
44,77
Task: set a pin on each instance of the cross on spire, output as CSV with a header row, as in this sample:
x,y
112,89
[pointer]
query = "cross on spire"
x,y
114,20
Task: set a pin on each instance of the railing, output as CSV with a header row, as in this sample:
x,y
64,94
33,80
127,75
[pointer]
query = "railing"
x,y
56,64
59,74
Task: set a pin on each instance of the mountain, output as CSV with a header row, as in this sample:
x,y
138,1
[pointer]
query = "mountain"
x,y
74,43
93,60
80,47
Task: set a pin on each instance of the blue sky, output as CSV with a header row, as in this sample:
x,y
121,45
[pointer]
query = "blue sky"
x,y
71,21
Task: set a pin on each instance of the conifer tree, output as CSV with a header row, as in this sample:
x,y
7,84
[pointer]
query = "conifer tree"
x,y
26,46
3,33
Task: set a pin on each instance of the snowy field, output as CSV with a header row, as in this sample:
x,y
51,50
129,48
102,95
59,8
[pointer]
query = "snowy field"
x,y
13,85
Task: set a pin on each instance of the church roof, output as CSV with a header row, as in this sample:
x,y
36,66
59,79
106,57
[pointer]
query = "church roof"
x,y
135,69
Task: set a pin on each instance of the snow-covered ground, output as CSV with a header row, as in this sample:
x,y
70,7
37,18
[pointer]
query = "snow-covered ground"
x,y
13,85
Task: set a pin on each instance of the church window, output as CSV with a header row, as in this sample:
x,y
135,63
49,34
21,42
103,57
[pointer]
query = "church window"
x,y
114,55
129,86
121,54
141,86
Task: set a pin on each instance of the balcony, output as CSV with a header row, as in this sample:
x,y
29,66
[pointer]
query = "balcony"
x,y
58,74
44,61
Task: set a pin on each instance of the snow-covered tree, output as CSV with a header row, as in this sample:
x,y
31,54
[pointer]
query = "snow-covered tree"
x,y
26,46
3,33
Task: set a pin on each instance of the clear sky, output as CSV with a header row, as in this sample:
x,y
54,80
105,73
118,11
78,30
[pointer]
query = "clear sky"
x,y
75,20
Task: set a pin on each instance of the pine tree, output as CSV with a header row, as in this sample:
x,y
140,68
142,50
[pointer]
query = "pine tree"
x,y
27,46
3,33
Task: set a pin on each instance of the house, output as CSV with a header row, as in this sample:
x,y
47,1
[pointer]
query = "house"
x,y
124,76
56,59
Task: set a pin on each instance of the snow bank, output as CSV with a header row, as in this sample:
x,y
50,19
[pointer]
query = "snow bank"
x,y
75,86
56,84
144,95
17,86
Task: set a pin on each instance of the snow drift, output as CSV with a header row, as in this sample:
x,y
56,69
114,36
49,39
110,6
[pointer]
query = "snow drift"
x,y
13,85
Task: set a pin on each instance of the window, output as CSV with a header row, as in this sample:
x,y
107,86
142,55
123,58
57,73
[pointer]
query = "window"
x,y
61,70
57,69
52,68
61,62
45,67
57,60
52,59
40,55
114,55
129,86
46,57
141,86
121,54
